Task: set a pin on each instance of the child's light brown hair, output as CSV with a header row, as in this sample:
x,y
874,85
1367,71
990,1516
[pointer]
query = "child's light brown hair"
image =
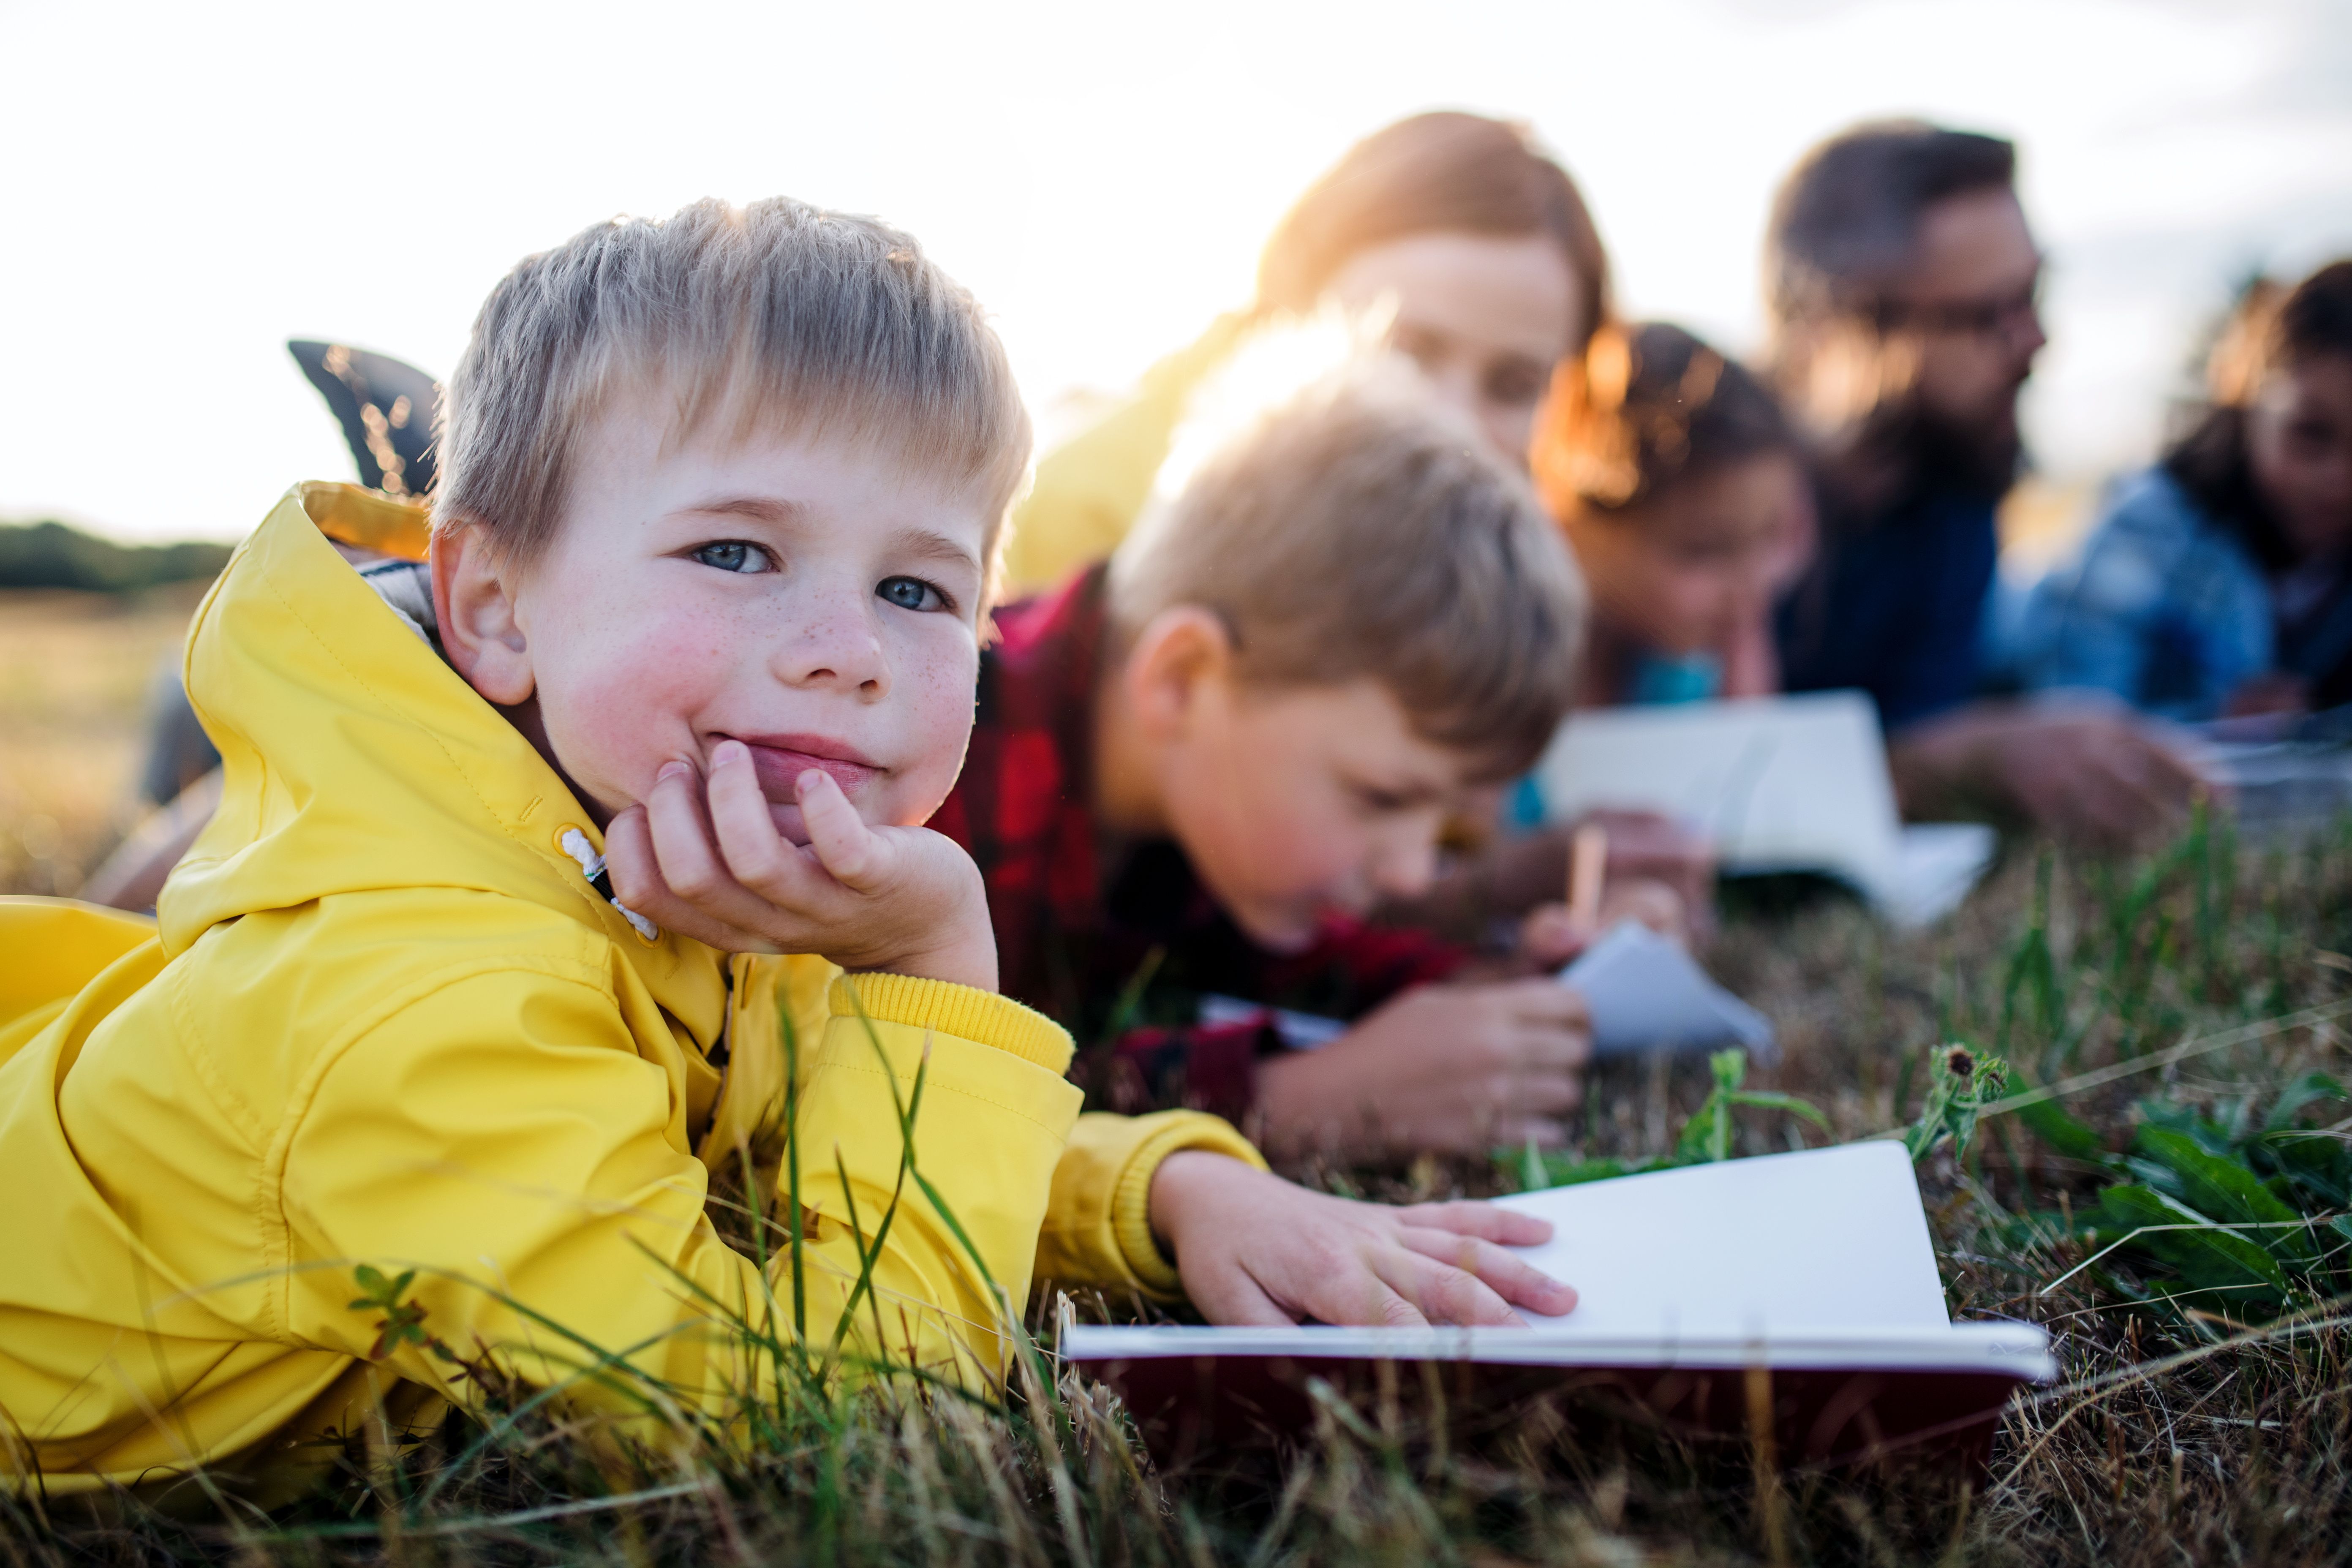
x,y
1360,530
1443,171
776,316
1650,406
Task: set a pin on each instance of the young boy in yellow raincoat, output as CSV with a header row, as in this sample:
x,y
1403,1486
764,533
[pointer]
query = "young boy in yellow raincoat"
x,y
538,829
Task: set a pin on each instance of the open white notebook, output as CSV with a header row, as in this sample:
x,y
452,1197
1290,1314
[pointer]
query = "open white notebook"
x,y
1819,1259
1781,783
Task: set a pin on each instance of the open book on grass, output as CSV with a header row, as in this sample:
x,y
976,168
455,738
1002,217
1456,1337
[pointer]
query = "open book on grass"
x,y
1813,1271
1781,783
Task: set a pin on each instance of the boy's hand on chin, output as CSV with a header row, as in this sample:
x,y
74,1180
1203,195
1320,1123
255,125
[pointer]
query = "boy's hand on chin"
x,y
1252,1248
1442,1068
711,865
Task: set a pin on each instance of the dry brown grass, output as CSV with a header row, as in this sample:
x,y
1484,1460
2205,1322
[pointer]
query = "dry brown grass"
x,y
76,670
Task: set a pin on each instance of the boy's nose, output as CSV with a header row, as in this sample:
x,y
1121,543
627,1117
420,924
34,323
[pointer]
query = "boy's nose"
x,y
840,646
1404,869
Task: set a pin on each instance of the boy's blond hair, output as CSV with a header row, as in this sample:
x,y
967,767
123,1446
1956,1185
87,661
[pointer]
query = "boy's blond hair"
x,y
777,315
1361,530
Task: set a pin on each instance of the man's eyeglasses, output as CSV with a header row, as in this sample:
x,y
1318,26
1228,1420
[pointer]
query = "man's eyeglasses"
x,y
1983,318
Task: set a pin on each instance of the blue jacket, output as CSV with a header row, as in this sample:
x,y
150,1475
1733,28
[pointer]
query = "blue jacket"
x,y
2164,608
1896,608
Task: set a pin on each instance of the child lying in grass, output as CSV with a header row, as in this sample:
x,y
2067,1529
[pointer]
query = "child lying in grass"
x,y
719,500
1197,770
1681,486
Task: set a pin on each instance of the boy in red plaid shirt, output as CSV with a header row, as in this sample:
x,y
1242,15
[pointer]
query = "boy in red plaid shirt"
x,y
1196,770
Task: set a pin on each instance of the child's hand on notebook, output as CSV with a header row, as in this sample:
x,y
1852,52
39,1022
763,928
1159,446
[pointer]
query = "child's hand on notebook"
x,y
1443,1069
1252,1248
713,865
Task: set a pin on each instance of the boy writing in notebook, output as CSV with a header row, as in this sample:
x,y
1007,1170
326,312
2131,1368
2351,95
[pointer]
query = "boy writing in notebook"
x,y
1199,767
693,657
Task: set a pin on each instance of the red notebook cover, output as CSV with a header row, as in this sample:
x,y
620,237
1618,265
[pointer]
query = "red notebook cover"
x,y
1852,1398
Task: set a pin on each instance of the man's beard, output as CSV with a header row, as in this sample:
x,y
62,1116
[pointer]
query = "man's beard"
x,y
1978,458
1903,451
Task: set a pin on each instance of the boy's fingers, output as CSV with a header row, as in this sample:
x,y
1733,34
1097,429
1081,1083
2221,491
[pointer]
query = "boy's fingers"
x,y
756,855
1552,935
694,878
1543,1000
683,852
1366,1297
1547,1081
852,851
1466,1216
638,883
1440,1293
1512,1279
1234,1300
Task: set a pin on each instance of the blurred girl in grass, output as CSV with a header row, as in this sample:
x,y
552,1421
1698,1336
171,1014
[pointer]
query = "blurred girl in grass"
x,y
1680,485
2219,582
1476,245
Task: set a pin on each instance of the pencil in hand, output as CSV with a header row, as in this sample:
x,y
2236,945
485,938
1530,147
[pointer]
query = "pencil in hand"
x,y
1587,864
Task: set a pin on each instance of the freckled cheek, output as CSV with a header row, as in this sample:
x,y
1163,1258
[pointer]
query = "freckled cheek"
x,y
934,691
622,698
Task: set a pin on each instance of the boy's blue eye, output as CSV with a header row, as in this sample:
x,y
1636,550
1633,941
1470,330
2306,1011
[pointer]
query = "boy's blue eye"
x,y
910,593
735,555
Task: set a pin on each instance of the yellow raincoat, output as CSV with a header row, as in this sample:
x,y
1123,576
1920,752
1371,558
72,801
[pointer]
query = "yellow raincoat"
x,y
382,1018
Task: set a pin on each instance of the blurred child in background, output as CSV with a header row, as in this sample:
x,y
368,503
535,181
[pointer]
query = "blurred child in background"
x,y
2219,582
1681,487
1197,770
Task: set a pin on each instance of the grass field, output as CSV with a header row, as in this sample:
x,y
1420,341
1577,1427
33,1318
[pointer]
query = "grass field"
x,y
76,670
2176,1027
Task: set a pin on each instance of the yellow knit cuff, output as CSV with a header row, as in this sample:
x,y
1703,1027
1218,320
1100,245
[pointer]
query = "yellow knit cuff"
x,y
981,1017
1131,1205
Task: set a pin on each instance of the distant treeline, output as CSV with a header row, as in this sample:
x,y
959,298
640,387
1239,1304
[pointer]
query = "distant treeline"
x,y
51,555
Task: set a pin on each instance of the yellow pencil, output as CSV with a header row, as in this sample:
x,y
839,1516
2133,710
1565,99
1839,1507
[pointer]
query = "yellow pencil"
x,y
1588,862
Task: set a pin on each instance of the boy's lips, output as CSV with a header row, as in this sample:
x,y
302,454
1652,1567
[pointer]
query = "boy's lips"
x,y
781,760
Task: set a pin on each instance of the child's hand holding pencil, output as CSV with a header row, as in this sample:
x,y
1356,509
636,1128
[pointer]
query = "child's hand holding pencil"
x,y
1552,934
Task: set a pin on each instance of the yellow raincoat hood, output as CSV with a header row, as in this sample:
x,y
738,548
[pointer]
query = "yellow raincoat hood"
x,y
358,760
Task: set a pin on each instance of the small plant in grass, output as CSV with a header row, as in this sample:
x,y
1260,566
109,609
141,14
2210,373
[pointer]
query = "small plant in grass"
x,y
402,1323
1963,1083
1705,1136
2233,1215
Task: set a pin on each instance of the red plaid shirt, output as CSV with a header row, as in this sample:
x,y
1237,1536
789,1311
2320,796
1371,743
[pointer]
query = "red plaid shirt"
x,y
1120,941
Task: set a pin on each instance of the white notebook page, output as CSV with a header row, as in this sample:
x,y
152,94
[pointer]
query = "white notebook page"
x,y
1821,1241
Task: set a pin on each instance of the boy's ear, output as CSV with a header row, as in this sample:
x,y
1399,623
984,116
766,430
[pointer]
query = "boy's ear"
x,y
473,597
1179,652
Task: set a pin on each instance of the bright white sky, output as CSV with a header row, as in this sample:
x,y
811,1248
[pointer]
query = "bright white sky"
x,y
186,187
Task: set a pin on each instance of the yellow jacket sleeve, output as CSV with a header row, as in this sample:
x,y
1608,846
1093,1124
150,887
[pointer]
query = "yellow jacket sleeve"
x,y
507,1143
1090,490
1097,1230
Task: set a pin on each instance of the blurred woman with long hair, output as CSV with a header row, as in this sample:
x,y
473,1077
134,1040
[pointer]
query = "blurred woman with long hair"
x,y
1473,244
2219,582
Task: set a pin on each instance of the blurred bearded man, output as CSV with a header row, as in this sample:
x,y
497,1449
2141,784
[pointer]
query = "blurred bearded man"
x,y
1902,281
